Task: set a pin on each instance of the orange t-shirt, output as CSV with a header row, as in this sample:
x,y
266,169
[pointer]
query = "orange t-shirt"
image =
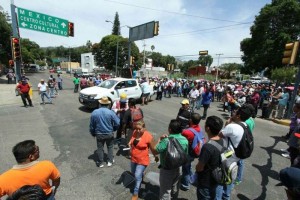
x,y
37,172
140,152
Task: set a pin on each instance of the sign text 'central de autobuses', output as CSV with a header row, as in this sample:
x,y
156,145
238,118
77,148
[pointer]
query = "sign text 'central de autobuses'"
x,y
41,22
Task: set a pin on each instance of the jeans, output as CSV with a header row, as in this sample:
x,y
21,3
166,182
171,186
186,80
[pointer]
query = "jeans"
x,y
199,102
25,96
138,171
205,106
280,111
101,140
60,85
51,92
240,172
76,88
193,102
43,94
204,193
168,181
186,175
224,192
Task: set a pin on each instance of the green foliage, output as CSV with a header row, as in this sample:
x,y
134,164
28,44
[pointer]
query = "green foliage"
x,y
31,51
177,75
227,68
5,48
105,51
284,74
276,25
116,25
185,66
205,60
208,77
159,60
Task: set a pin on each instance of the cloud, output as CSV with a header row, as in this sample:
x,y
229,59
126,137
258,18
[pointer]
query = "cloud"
x,y
179,17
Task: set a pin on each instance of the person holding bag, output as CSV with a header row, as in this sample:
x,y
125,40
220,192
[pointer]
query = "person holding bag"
x,y
169,174
139,145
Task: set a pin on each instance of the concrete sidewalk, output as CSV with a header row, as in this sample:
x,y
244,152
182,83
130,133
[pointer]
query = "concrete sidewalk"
x,y
7,93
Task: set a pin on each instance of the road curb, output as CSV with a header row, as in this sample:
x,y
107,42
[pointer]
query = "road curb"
x,y
284,122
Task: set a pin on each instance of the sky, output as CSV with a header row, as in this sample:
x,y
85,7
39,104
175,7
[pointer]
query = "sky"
x,y
185,26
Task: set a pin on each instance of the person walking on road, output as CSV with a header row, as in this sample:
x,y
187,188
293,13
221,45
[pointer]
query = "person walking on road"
x,y
43,91
30,171
206,100
139,145
23,90
184,114
76,81
59,82
168,178
103,123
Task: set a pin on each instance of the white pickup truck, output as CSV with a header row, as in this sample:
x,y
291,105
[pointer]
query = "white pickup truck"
x,y
112,88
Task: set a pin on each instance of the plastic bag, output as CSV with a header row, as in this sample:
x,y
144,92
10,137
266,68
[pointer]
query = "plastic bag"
x,y
175,155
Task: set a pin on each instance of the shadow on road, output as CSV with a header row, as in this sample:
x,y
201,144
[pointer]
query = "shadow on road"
x,y
266,170
85,109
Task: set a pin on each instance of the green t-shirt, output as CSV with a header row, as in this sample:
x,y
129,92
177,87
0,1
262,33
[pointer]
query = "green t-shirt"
x,y
250,123
161,147
76,80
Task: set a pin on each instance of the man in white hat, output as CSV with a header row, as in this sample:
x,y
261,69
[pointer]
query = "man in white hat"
x,y
103,123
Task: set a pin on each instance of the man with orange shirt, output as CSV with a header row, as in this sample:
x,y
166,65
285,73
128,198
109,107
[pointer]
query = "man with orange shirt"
x,y
29,171
189,135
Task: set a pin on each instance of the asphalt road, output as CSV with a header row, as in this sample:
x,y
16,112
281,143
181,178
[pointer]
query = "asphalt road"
x,y
61,131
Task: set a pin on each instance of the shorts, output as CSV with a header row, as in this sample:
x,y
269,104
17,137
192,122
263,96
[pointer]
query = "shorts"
x,y
146,95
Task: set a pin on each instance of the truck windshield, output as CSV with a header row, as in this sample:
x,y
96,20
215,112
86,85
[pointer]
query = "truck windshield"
x,y
107,84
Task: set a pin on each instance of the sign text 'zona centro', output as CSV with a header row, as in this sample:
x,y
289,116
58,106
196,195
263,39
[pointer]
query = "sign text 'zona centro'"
x,y
40,22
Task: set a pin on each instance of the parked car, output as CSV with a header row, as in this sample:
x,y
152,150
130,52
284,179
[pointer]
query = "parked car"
x,y
52,70
112,88
58,71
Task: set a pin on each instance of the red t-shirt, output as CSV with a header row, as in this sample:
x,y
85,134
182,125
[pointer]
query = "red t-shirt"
x,y
140,152
24,88
189,135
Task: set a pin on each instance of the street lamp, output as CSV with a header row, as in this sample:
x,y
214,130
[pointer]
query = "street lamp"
x,y
117,51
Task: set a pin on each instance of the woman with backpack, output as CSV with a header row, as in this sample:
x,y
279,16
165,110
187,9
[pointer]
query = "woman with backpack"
x,y
139,145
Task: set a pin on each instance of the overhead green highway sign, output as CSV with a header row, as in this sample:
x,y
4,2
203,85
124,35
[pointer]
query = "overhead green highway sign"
x,y
41,22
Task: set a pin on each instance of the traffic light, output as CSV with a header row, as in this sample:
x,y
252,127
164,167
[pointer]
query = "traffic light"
x,y
290,53
203,53
71,29
132,61
16,48
156,28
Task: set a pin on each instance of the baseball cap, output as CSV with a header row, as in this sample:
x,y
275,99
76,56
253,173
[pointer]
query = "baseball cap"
x,y
185,101
123,97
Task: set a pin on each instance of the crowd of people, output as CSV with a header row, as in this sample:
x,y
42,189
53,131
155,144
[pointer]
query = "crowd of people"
x,y
126,119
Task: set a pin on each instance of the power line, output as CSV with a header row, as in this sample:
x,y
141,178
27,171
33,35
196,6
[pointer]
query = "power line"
x,y
172,12
207,29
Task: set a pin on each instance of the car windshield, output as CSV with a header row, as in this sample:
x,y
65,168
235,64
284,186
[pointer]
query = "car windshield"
x,y
107,84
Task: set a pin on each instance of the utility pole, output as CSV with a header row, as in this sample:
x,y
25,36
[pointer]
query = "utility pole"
x,y
218,54
144,58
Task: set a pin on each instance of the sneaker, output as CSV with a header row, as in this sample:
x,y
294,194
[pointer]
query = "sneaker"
x,y
286,155
284,150
98,164
109,164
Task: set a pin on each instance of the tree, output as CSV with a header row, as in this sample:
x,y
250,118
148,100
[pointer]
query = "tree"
x,y
105,51
185,66
227,68
31,51
284,74
5,48
205,60
276,25
116,26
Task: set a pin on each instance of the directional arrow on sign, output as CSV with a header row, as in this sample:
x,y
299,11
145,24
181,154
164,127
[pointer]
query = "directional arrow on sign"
x,y
24,24
63,25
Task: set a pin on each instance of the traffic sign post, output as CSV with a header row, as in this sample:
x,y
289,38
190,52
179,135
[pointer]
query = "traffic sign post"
x,y
44,23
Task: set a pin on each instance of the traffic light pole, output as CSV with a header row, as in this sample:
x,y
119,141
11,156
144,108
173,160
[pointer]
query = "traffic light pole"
x,y
291,103
15,33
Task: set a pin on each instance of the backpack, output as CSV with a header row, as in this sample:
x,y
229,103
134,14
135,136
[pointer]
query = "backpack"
x,y
175,155
246,145
136,115
226,172
197,143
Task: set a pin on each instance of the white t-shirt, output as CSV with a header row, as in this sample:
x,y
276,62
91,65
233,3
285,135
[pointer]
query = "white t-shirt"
x,y
42,87
234,132
194,93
